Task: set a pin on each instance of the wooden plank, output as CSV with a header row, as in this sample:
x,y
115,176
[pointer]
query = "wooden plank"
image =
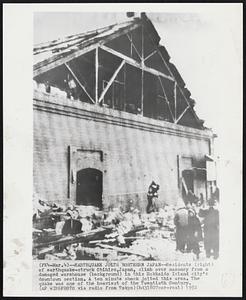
x,y
184,185
147,57
103,241
188,103
159,52
136,229
142,91
166,98
173,77
134,63
175,100
124,86
122,250
181,115
40,68
77,238
48,64
142,33
128,59
96,73
111,81
132,44
80,84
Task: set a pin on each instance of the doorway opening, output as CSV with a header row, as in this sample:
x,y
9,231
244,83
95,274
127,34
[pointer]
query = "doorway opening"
x,y
89,187
187,182
188,176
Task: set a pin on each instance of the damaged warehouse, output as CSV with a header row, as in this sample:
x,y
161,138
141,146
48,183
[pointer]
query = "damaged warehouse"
x,y
112,114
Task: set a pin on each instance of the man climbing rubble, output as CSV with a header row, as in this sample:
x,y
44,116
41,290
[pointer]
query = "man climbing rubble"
x,y
85,232
152,197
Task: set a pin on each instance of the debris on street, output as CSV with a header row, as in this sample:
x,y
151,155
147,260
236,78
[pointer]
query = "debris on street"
x,y
80,232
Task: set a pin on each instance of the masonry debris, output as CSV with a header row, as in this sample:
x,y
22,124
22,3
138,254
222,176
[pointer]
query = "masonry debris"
x,y
80,232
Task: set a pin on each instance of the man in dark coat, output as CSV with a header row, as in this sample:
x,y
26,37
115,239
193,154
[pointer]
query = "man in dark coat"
x,y
151,196
72,224
211,229
181,223
216,194
194,233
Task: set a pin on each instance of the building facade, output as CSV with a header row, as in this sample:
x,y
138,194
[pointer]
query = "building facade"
x,y
111,114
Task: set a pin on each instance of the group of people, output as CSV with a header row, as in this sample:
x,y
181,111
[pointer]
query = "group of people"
x,y
189,231
195,221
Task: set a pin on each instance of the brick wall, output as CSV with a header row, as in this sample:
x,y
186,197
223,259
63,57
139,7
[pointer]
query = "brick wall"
x,y
133,153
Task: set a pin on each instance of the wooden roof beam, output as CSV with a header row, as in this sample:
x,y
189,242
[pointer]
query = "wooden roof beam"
x,y
130,39
166,99
79,83
51,63
177,84
134,63
111,81
180,116
152,53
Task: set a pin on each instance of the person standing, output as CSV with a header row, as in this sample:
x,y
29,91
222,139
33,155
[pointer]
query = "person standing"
x,y
216,194
211,229
194,233
181,223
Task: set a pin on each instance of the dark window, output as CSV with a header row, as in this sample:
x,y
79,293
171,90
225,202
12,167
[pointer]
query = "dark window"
x,y
89,187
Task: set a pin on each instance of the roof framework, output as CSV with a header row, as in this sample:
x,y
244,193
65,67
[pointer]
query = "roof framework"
x,y
143,54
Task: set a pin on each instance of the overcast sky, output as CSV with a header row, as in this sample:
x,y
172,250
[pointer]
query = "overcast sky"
x,y
204,46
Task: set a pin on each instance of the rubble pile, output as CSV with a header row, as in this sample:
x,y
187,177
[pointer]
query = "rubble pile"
x,y
85,232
